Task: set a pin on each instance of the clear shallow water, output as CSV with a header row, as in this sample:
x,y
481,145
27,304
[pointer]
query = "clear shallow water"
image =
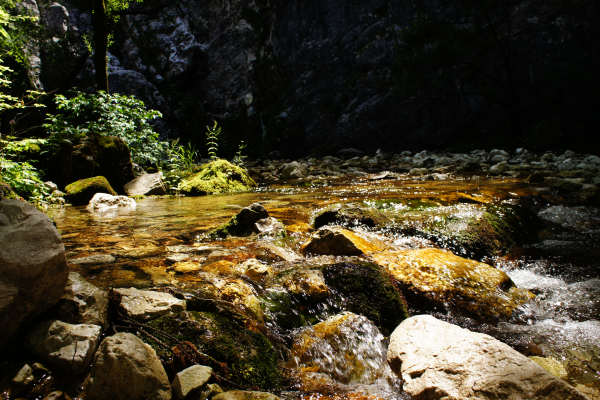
x,y
562,319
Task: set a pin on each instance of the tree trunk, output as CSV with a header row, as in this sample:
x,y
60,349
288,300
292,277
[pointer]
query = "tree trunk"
x,y
100,44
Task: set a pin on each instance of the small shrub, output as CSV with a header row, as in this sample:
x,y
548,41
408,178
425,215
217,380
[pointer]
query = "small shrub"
x,y
240,157
24,179
182,158
108,115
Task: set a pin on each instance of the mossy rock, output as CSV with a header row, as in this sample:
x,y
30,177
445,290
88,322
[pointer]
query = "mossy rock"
x,y
350,215
242,224
369,291
81,192
246,357
6,192
219,176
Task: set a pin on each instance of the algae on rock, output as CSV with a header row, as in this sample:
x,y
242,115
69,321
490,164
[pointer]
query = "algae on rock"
x,y
81,192
219,176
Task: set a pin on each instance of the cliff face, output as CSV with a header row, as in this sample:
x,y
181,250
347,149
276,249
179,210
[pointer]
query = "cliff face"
x,y
316,75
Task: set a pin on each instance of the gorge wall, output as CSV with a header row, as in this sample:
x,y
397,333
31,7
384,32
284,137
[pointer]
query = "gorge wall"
x,y
313,76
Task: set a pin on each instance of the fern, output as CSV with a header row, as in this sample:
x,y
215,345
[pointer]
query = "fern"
x,y
212,140
240,158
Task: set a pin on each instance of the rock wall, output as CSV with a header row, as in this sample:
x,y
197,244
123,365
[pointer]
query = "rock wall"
x,y
315,76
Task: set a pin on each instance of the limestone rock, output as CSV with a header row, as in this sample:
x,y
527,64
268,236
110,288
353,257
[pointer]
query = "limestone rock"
x,y
33,268
68,346
147,304
125,368
105,204
245,395
189,379
340,242
83,303
445,279
438,360
81,192
146,184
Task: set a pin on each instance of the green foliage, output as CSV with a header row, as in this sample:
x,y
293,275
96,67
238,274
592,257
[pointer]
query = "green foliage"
x,y
182,158
108,115
240,156
213,135
219,176
24,179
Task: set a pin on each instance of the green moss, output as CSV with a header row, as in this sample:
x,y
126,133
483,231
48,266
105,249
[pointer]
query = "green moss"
x,y
81,192
369,291
250,357
219,176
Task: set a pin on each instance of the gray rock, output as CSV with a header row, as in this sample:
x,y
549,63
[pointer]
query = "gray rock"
x,y
190,379
125,368
293,170
56,19
146,184
108,205
83,303
438,360
33,268
146,304
499,168
94,259
67,346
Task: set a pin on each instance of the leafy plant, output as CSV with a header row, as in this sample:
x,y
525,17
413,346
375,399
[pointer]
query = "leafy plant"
x,y
240,157
212,140
24,179
109,115
181,157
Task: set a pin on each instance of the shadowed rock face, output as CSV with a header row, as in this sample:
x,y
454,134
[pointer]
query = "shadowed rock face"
x,y
316,75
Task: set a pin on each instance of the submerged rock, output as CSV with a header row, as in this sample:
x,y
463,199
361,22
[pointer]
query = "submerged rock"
x,y
245,395
106,204
446,280
340,242
83,303
67,346
244,223
33,268
125,368
146,304
438,360
219,176
81,192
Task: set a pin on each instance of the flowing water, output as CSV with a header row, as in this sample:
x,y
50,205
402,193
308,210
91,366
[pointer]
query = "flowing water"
x,y
562,321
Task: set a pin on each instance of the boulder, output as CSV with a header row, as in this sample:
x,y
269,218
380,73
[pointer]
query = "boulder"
x,y
438,360
293,170
219,176
349,215
146,184
340,242
190,379
146,304
81,192
242,224
245,395
83,303
125,368
33,268
106,205
67,346
440,277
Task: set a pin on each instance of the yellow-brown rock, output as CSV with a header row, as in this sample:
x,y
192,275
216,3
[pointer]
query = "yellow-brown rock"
x,y
445,278
340,242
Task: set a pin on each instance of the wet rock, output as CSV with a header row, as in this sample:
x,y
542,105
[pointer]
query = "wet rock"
x,y
327,352
368,290
125,368
190,379
186,267
24,377
81,192
83,303
146,304
293,170
146,184
244,223
340,242
67,346
218,176
107,205
270,252
438,360
498,169
245,395
269,227
57,395
349,215
256,270
33,268
446,280
552,366
95,259
307,283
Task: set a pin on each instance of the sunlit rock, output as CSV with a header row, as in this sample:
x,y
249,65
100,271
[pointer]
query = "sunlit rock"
x,y
448,280
81,192
105,204
219,176
94,259
67,346
245,395
125,368
438,360
242,224
33,268
83,303
190,379
256,270
145,304
306,282
350,215
146,184
340,242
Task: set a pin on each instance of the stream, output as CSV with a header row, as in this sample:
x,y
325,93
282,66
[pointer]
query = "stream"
x,y
559,264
